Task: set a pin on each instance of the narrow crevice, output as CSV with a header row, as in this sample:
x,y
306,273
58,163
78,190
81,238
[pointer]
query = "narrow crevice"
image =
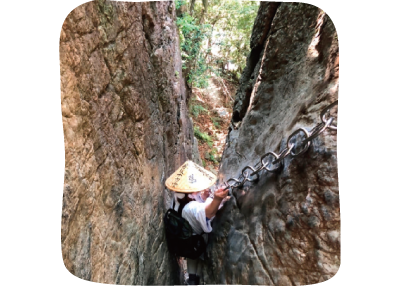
x,y
249,76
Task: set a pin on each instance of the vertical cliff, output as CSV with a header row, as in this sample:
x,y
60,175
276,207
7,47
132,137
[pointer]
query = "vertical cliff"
x,y
126,129
285,228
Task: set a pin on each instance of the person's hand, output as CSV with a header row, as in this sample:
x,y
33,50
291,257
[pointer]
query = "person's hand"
x,y
221,193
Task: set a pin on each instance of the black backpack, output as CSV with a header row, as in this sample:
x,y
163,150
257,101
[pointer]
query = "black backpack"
x,y
180,238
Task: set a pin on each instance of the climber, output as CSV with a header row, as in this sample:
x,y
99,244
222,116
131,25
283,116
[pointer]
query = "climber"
x,y
191,185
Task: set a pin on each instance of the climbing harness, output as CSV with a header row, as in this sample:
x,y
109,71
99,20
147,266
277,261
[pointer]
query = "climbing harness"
x,y
275,161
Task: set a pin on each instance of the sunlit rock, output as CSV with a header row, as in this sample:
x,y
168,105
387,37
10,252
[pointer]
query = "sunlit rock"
x,y
125,131
283,229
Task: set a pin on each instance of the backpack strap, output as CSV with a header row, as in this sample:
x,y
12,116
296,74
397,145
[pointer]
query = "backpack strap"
x,y
181,206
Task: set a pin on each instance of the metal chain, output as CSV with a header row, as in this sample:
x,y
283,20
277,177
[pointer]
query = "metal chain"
x,y
272,162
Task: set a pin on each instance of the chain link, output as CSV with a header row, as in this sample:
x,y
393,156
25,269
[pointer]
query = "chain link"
x,y
283,154
319,129
301,144
294,147
325,111
247,175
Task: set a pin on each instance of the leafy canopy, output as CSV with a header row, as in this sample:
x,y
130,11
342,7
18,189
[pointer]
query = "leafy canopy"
x,y
214,36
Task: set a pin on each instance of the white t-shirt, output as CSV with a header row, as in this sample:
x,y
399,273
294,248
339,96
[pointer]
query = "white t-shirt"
x,y
195,213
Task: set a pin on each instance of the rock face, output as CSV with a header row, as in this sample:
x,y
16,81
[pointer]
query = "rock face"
x,y
126,129
283,229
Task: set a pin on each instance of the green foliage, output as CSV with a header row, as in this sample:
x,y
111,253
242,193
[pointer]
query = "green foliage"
x,y
191,36
204,137
230,23
195,110
198,76
213,155
179,3
213,35
215,121
225,24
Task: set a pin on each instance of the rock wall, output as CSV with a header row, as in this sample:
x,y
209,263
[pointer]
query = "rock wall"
x,y
285,228
126,129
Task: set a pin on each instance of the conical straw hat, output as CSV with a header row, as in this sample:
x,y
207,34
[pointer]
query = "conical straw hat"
x,y
190,178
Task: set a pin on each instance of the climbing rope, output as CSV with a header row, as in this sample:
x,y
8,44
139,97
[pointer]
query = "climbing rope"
x,y
275,161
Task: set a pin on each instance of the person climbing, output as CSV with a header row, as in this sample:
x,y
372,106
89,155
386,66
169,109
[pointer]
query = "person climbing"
x,y
191,186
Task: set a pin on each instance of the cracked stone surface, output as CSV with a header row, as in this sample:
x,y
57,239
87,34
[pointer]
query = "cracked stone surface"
x,y
126,129
285,228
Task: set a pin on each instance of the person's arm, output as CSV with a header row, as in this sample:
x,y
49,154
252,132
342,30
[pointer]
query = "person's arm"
x,y
212,208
